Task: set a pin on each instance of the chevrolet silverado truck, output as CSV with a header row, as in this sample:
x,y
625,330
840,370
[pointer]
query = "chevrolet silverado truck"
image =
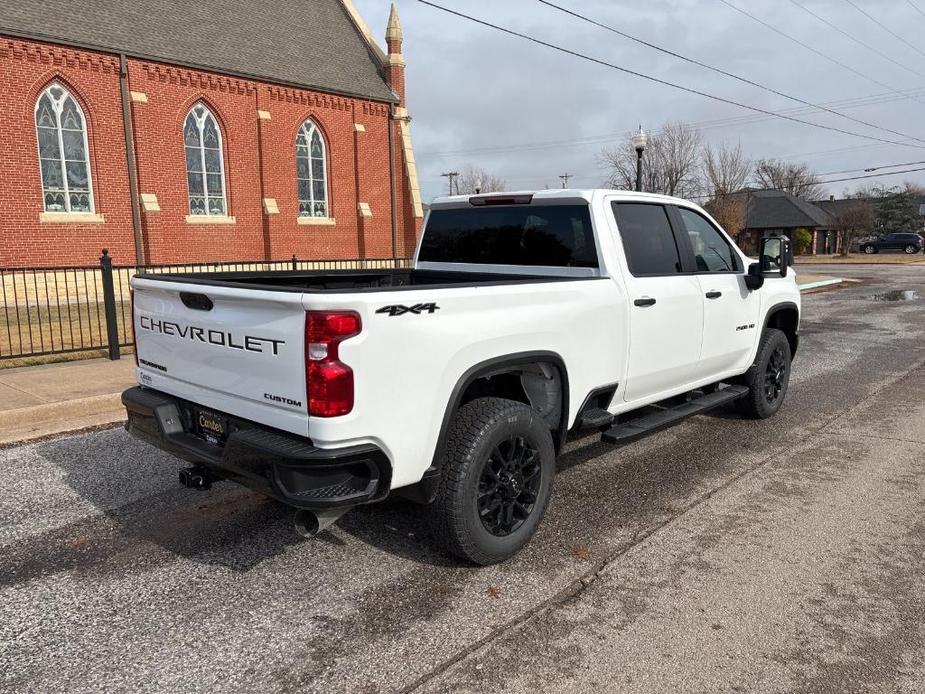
x,y
525,317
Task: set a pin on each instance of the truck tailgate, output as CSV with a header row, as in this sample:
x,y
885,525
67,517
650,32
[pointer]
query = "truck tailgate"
x,y
236,350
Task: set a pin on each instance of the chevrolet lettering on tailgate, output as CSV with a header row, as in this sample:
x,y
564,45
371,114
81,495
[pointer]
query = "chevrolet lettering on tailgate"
x,y
218,338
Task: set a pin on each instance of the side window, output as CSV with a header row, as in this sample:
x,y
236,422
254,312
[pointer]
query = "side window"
x,y
648,241
62,136
205,165
311,174
712,252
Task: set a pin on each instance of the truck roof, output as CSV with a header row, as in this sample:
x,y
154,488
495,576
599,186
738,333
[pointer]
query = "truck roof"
x,y
554,195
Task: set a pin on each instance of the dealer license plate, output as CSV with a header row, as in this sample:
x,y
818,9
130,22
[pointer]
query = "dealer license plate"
x,y
210,426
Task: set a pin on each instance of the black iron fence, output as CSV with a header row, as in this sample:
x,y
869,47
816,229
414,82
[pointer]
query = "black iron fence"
x,y
59,310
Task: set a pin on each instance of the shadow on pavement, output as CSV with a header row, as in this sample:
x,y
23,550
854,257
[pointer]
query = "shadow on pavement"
x,y
148,519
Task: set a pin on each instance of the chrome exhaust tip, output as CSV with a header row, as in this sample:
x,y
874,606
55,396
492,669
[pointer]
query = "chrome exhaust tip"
x,y
309,523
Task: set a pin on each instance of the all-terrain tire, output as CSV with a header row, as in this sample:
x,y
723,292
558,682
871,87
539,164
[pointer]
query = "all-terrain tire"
x,y
479,437
768,377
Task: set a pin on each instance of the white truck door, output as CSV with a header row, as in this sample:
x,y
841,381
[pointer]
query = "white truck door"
x,y
731,311
665,304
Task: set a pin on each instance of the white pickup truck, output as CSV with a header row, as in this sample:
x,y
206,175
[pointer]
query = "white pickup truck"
x,y
525,317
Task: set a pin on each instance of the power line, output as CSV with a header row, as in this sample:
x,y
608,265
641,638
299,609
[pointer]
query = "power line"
x,y
657,80
868,169
565,177
831,180
811,49
858,41
888,173
916,8
727,122
725,73
884,27
822,152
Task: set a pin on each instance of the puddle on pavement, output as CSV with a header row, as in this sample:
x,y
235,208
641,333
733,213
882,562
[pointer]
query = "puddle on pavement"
x,y
896,295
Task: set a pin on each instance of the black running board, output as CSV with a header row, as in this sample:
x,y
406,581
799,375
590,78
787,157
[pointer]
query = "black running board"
x,y
634,429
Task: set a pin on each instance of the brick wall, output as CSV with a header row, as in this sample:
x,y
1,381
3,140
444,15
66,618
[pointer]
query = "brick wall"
x,y
259,158
93,78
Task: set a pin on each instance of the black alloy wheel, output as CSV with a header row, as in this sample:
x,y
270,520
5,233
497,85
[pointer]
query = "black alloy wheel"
x,y
775,375
497,470
509,485
768,378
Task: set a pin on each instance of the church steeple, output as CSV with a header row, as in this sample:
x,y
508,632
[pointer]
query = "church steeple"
x,y
393,32
395,72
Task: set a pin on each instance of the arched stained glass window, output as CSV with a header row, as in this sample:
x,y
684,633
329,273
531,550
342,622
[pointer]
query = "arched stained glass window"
x,y
63,152
311,171
205,163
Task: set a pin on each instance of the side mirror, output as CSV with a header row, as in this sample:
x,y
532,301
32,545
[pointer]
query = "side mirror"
x,y
775,255
754,279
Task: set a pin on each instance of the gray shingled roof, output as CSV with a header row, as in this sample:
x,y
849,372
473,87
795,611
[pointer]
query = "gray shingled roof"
x,y
836,207
776,209
307,43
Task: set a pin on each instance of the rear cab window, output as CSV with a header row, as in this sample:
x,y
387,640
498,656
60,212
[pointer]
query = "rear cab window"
x,y
530,235
648,241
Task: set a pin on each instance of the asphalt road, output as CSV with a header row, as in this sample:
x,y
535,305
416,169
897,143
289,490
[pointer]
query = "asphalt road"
x,y
721,555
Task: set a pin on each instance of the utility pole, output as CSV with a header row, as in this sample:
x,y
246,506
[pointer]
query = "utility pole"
x,y
565,177
452,176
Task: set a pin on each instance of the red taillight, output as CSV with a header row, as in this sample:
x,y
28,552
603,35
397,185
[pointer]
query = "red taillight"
x,y
329,381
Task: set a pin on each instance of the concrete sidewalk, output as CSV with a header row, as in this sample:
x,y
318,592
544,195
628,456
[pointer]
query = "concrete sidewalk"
x,y
37,401
807,282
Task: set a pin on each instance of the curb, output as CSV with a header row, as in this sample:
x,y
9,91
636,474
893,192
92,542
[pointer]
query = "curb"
x,y
820,283
859,262
38,421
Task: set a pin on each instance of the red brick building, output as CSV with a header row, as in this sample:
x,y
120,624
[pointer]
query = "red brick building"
x,y
170,131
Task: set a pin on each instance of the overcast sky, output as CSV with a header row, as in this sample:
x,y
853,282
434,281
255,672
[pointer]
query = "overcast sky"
x,y
477,96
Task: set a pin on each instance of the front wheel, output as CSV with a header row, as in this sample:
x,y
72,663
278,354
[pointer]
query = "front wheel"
x,y
768,377
870,250
496,480
910,249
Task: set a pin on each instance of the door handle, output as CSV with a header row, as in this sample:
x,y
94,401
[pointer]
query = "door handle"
x,y
714,295
644,302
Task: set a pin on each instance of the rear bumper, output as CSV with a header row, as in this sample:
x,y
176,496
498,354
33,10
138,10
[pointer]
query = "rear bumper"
x,y
286,467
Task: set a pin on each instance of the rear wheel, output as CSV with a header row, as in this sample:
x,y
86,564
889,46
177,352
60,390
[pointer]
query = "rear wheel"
x,y
768,377
496,480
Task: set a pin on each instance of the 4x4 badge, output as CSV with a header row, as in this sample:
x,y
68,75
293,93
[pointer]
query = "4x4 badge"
x,y
417,309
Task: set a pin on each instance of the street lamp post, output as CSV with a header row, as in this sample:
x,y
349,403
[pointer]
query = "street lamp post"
x,y
640,140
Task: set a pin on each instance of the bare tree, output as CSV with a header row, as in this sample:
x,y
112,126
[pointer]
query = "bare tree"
x,y
851,218
670,164
725,172
725,169
796,179
475,177
731,211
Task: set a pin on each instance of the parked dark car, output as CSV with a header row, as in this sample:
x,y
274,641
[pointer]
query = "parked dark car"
x,y
905,241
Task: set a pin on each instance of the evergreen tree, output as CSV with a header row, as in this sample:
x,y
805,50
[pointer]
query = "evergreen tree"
x,y
897,209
